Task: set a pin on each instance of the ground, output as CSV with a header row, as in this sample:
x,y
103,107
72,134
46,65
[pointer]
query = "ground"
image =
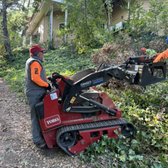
x,y
16,147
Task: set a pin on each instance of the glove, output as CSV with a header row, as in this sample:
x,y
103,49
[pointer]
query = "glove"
x,y
49,87
56,75
49,78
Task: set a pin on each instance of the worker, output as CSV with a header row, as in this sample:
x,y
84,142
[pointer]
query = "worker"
x,y
161,56
36,88
148,52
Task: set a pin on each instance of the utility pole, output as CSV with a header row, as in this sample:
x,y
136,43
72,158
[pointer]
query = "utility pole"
x,y
65,23
129,11
51,28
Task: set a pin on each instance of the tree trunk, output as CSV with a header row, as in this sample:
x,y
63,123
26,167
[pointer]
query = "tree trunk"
x,y
5,32
85,12
108,5
109,19
28,4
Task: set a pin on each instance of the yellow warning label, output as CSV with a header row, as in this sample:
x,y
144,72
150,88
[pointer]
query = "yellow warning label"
x,y
72,100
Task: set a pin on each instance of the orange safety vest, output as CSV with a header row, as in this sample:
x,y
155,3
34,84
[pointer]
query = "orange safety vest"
x,y
161,56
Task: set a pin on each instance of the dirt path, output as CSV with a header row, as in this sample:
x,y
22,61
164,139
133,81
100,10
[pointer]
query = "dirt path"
x,y
16,147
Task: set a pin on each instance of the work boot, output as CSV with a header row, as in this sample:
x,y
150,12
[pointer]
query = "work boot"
x,y
41,145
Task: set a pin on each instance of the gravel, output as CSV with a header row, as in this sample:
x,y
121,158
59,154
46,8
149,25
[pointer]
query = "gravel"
x,y
16,147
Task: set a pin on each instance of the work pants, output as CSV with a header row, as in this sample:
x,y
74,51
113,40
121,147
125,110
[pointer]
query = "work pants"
x,y
33,99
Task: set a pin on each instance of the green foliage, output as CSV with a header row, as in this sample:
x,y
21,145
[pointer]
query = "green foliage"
x,y
16,20
13,73
62,61
3,65
147,110
157,16
2,50
65,61
145,25
137,23
16,24
36,4
85,20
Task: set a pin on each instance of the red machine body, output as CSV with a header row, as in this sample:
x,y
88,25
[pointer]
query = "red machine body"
x,y
54,118
75,114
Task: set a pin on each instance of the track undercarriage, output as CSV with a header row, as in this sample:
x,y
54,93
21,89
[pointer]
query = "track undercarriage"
x,y
76,138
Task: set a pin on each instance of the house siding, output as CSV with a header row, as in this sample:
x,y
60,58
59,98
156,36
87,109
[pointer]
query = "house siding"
x,y
57,20
120,14
43,29
45,36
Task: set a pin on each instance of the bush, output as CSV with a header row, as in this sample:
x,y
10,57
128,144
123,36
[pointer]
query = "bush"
x,y
146,109
148,112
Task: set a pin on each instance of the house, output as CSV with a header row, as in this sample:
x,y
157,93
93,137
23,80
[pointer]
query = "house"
x,y
43,25
50,18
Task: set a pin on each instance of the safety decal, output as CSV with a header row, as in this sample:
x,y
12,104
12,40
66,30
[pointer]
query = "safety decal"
x,y
53,96
36,70
52,121
72,100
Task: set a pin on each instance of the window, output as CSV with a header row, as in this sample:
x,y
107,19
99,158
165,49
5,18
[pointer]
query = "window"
x,y
61,26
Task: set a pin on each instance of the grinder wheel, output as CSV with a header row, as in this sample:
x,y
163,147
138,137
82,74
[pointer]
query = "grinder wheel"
x,y
128,130
68,139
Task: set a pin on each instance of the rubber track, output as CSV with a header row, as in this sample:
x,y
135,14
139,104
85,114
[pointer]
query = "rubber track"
x,y
88,126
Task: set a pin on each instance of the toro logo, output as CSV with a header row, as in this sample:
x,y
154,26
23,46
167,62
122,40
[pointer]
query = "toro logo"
x,y
52,121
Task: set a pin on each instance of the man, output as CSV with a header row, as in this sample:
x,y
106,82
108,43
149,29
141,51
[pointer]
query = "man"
x,y
148,52
36,87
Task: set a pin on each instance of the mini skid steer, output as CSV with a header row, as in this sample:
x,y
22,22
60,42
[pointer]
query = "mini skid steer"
x,y
75,114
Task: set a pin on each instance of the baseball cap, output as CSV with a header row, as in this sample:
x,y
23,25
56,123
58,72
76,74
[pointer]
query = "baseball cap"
x,y
143,49
35,49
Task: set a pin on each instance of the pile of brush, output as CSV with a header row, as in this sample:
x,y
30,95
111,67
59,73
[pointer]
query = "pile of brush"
x,y
114,54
